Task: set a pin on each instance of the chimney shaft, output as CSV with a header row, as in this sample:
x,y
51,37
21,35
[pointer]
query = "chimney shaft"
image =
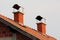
x,y
41,27
18,17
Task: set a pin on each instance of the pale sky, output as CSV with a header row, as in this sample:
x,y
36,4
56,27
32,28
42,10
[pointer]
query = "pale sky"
x,y
49,9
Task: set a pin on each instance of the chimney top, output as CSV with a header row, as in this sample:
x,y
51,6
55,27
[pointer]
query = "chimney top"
x,y
16,6
39,18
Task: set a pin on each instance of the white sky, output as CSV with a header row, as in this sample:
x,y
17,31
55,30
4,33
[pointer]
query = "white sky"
x,y
49,9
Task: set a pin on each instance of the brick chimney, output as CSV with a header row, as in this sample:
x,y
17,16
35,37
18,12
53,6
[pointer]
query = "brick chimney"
x,y
18,17
41,27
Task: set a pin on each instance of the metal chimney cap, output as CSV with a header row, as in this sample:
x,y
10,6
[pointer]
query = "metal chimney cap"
x,y
39,18
16,6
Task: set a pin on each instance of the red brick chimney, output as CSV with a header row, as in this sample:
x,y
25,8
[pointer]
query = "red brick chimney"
x,y
18,17
41,27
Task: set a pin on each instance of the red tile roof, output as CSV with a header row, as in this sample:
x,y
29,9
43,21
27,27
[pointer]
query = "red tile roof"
x,y
27,29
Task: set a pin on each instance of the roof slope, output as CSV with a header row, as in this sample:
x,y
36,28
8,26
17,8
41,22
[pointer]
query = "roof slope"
x,y
26,29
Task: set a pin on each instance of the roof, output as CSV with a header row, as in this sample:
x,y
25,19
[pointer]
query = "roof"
x,y
23,28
